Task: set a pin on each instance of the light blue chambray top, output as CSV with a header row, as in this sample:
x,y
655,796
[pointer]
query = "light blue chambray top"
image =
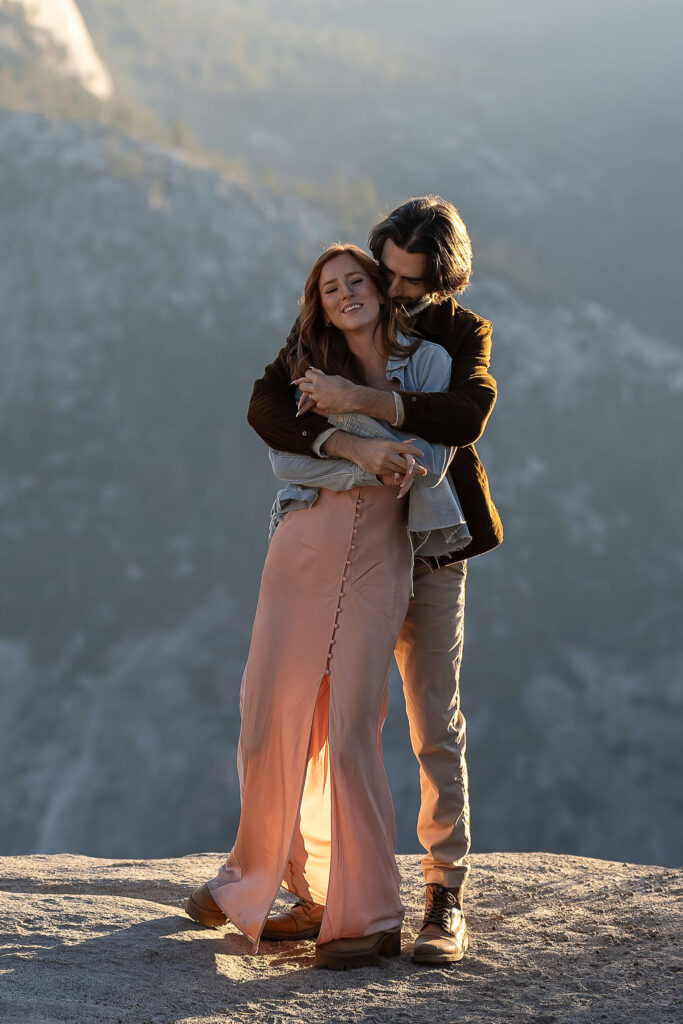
x,y
435,520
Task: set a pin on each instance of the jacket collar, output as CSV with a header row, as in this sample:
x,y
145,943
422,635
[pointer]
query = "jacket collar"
x,y
396,364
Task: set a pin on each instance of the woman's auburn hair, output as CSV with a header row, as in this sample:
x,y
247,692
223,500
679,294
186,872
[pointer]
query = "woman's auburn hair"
x,y
323,345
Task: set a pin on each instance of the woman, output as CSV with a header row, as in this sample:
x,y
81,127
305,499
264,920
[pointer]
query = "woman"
x,y
317,814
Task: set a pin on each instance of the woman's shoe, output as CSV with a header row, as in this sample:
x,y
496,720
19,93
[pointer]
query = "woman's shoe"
x,y
300,921
341,954
202,907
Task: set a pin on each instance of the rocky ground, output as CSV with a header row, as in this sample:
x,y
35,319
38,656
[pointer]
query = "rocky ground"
x,y
555,939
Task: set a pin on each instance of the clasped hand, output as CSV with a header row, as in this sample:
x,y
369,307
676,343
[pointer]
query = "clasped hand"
x,y
324,394
391,461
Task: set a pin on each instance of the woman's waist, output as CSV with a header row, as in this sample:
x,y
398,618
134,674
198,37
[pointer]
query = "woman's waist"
x,y
380,497
363,507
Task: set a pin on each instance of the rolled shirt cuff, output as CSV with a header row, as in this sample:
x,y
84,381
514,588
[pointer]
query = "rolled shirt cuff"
x,y
317,445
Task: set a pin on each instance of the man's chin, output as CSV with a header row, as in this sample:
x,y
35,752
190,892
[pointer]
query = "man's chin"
x,y
406,308
406,304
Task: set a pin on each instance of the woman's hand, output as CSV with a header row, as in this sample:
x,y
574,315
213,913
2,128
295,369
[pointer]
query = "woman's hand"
x,y
404,481
374,454
324,395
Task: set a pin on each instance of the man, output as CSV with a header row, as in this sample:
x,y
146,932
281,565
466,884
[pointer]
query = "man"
x,y
425,253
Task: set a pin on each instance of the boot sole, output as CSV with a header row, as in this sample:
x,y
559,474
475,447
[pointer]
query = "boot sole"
x,y
440,957
209,918
389,946
311,933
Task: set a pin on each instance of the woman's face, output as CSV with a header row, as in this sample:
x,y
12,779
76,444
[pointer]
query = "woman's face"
x,y
349,297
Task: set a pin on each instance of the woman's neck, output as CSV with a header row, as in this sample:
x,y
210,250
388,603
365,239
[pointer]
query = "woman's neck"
x,y
367,346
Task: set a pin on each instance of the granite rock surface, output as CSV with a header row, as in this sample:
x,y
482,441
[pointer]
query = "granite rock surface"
x,y
554,939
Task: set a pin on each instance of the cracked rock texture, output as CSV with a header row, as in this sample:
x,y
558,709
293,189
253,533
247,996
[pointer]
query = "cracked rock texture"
x,y
554,938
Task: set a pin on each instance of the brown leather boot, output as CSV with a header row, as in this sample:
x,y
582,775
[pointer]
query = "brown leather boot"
x,y
443,938
300,921
202,907
340,954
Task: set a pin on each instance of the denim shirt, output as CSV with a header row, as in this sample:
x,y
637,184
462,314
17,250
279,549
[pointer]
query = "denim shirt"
x,y
435,520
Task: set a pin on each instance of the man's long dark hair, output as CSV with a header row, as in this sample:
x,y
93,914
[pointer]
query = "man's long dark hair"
x,y
432,226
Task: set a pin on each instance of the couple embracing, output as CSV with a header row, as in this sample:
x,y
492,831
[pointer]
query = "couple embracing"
x,y
370,413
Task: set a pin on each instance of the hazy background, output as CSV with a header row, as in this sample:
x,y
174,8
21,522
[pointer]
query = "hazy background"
x,y
168,173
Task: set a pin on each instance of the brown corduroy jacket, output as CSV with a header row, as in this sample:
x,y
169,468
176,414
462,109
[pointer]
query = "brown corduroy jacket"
x,y
454,417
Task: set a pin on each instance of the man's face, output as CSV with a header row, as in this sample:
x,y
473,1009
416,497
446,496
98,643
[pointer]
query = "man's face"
x,y
404,273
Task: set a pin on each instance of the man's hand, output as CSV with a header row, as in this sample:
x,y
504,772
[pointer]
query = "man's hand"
x,y
375,455
325,394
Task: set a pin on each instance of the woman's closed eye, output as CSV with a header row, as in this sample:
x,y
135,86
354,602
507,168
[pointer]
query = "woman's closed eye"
x,y
333,288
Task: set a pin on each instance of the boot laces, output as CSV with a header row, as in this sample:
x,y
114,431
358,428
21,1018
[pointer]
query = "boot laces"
x,y
440,903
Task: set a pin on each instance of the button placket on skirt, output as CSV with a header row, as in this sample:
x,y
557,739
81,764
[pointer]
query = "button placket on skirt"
x,y
344,579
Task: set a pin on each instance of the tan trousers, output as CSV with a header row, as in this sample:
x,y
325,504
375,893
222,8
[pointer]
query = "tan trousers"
x,y
429,653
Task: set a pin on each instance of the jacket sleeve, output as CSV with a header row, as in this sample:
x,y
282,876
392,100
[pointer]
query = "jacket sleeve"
x,y
433,376
272,409
458,416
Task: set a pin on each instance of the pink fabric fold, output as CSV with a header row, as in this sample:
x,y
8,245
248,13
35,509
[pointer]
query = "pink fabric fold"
x,y
317,814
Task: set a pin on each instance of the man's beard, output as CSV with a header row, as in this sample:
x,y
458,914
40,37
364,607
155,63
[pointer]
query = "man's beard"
x,y
407,306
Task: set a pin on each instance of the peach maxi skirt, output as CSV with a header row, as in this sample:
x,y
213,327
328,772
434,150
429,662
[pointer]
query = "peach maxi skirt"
x,y
317,814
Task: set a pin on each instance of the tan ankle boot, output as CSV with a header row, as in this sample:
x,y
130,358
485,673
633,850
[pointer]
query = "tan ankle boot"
x,y
301,921
443,937
202,907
